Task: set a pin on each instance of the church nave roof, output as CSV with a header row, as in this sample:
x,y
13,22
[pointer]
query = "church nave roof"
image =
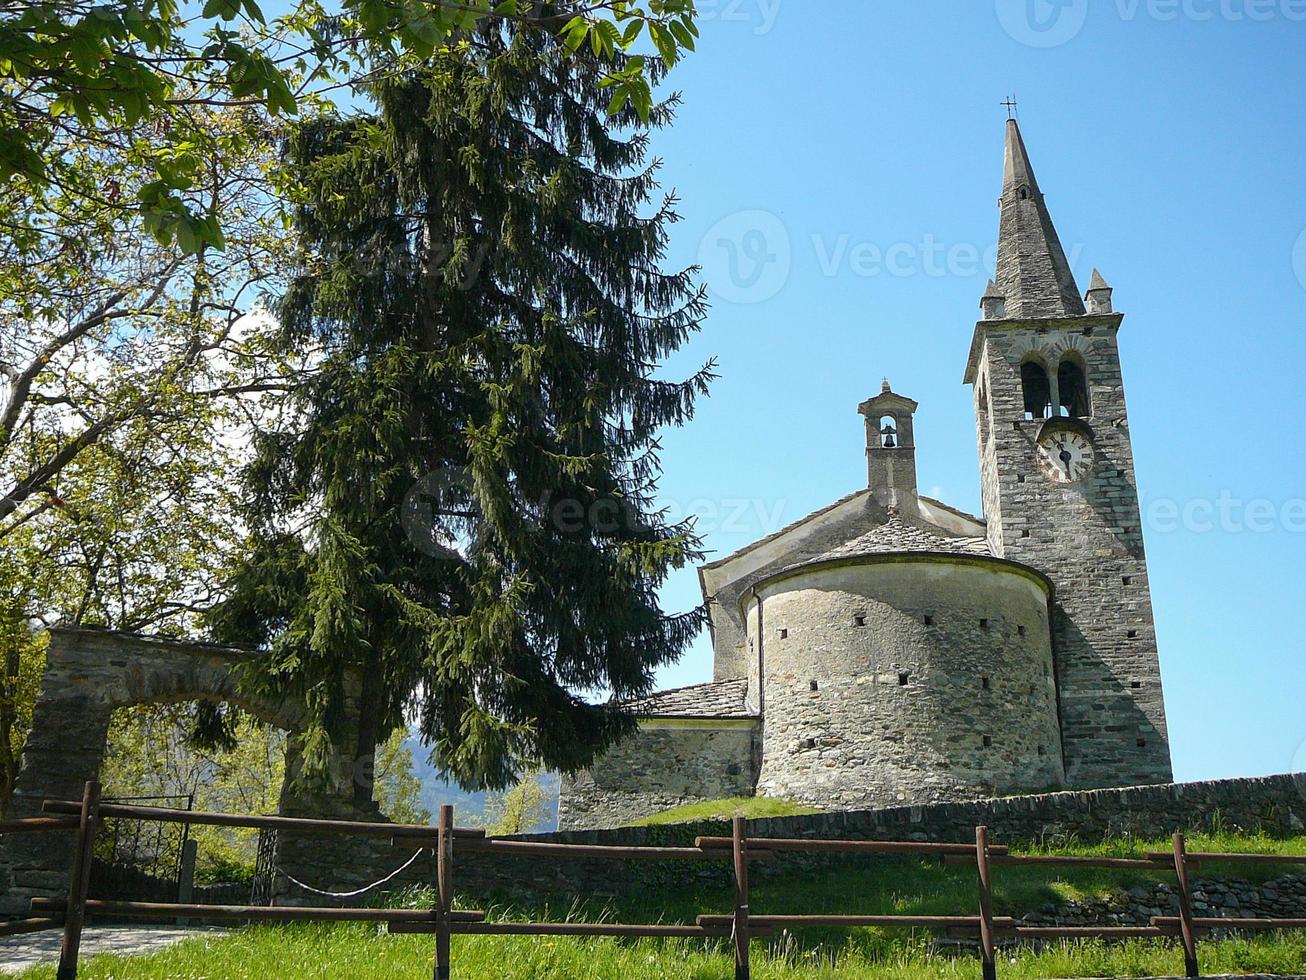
x,y
896,535
720,699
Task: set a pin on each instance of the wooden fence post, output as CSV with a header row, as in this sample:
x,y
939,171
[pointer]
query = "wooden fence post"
x,y
186,875
985,903
1186,929
741,901
79,881
444,891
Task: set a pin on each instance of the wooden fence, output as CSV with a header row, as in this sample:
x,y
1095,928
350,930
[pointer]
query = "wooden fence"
x,y
740,926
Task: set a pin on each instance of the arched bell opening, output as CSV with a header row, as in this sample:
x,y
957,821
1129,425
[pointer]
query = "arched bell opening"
x,y
1036,388
888,432
1072,389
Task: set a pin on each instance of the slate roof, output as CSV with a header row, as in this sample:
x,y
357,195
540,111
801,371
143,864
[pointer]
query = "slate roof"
x,y
864,492
720,699
895,535
1032,271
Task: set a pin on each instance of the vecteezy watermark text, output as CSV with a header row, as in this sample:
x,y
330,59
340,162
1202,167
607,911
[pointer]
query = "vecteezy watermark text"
x,y
438,512
748,257
1052,23
1223,514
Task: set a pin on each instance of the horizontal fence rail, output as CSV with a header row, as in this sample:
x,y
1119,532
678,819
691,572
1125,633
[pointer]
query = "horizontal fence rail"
x,y
22,926
29,825
256,913
83,818
303,825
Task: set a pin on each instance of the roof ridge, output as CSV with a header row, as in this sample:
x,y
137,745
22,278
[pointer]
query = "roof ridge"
x,y
787,528
955,510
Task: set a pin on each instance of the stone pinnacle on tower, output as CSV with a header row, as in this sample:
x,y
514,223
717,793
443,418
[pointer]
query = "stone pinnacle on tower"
x,y
1033,274
1098,296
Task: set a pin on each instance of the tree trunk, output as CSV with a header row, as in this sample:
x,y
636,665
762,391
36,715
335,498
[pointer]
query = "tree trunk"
x,y
8,720
371,708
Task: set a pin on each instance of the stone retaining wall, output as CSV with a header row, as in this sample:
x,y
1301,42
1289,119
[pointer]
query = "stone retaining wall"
x,y
1274,804
1283,897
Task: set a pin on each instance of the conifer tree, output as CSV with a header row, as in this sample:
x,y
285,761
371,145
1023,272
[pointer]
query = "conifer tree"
x,y
463,500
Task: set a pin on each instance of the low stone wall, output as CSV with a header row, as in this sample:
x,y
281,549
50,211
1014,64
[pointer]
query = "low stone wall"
x,y
1283,897
1274,804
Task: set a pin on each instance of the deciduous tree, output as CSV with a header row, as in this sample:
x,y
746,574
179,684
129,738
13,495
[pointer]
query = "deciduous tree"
x,y
74,71
127,368
519,810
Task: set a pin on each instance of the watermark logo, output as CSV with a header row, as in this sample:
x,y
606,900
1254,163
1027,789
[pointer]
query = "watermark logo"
x,y
746,257
1299,258
435,508
1042,23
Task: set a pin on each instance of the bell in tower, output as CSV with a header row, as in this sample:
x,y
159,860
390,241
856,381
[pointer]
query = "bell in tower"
x,y
890,448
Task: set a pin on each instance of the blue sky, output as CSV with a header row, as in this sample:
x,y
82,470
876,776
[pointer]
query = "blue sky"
x,y
855,148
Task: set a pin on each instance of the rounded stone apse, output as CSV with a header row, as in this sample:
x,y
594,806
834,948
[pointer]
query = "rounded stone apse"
x,y
905,678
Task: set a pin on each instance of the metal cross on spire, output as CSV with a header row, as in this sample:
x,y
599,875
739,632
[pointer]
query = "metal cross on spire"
x,y
1010,105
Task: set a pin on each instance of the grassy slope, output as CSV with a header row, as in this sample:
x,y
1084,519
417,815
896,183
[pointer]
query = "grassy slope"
x,y
846,885
752,807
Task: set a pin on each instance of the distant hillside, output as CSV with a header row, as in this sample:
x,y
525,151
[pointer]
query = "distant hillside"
x,y
469,807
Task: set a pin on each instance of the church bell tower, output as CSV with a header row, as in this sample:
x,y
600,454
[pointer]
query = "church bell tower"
x,y
1058,485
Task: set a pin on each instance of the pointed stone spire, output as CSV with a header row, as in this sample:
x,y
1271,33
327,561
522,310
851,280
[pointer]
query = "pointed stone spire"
x,y
1098,295
1033,273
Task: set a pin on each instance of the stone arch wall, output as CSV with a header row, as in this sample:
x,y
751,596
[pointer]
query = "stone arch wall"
x,y
89,674
907,678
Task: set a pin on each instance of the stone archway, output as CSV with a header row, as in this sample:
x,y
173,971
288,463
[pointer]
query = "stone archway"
x,y
89,674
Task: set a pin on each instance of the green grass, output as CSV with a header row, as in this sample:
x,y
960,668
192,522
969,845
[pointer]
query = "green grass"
x,y
673,893
356,952
751,807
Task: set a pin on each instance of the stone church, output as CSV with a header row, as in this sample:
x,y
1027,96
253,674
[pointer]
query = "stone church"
x,y
889,649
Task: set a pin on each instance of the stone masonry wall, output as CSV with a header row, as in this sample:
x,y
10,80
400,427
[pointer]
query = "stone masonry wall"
x,y
1230,898
1275,804
1087,537
668,763
895,679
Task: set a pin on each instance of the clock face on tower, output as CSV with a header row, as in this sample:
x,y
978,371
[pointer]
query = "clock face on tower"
x,y
1066,455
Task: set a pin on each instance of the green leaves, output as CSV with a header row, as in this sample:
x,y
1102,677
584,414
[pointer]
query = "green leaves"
x,y
223,9
145,63
231,9
671,29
